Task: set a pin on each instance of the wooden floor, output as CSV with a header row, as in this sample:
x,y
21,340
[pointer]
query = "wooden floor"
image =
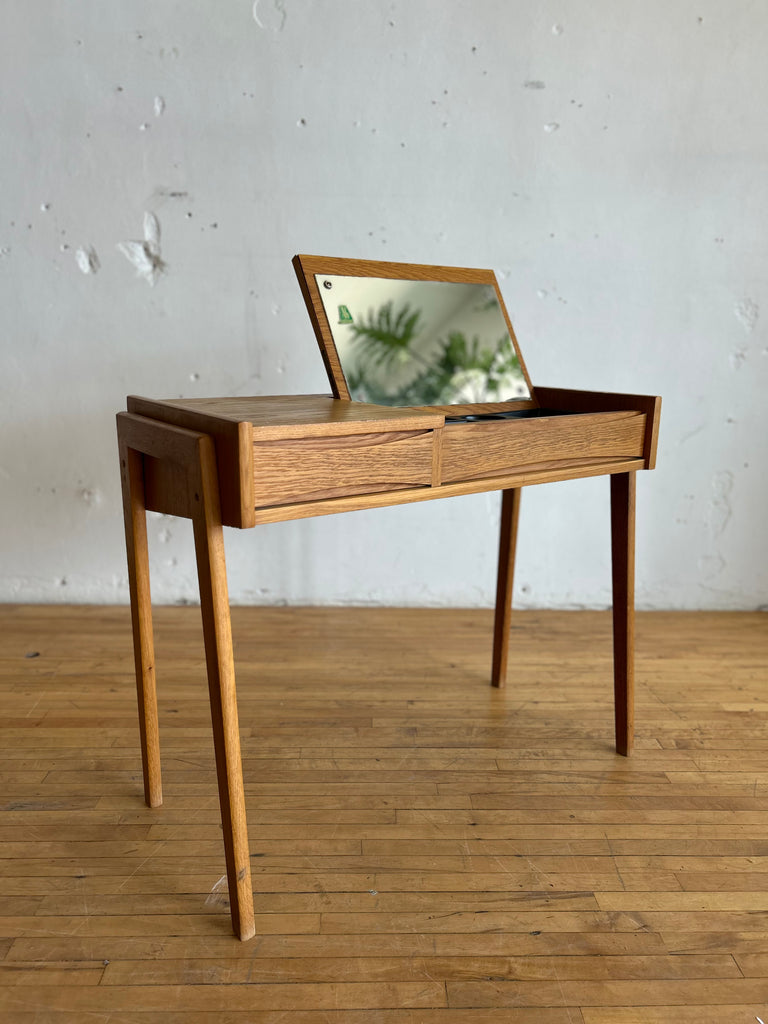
x,y
425,850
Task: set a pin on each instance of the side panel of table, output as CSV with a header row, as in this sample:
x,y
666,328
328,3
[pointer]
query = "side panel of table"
x,y
180,466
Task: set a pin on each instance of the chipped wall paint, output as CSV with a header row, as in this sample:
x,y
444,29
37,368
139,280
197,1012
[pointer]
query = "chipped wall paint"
x,y
608,161
270,14
145,255
87,260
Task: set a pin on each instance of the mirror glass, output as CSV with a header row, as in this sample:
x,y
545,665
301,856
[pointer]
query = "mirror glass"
x,y
407,343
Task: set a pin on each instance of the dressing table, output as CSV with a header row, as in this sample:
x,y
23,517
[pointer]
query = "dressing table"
x,y
473,422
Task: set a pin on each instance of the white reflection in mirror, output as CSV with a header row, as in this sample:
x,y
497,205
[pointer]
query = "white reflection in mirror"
x,y
406,343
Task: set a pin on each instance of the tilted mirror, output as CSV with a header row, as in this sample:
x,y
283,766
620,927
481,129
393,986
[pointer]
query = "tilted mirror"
x,y
410,335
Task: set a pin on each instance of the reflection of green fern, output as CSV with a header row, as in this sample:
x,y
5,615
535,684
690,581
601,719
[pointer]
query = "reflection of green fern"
x,y
386,336
386,340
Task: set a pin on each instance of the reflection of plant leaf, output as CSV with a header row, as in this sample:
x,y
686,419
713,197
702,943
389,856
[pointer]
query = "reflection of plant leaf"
x,y
458,367
386,336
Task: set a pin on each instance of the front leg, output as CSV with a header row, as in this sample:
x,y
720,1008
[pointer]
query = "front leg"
x,y
217,633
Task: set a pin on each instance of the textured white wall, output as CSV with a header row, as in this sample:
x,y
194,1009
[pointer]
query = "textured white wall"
x,y
607,159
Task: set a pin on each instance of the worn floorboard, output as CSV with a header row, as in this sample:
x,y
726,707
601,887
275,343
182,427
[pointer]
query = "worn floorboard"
x,y
425,849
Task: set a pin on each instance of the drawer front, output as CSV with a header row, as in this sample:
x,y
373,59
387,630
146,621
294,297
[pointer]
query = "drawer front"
x,y
313,468
475,450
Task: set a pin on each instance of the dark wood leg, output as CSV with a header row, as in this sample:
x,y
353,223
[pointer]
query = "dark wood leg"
x,y
510,514
134,510
623,564
217,632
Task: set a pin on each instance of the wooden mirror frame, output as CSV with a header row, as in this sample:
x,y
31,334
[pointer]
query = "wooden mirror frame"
x,y
308,267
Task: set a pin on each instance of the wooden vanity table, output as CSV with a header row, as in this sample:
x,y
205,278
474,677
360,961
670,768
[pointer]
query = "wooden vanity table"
x,y
240,462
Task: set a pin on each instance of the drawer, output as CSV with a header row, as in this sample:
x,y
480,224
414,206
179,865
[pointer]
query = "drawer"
x,y
472,451
290,470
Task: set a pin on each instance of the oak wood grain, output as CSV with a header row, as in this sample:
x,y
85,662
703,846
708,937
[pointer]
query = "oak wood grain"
x,y
572,400
475,450
538,473
314,468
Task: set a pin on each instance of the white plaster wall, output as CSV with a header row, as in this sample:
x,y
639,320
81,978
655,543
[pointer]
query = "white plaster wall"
x,y
608,158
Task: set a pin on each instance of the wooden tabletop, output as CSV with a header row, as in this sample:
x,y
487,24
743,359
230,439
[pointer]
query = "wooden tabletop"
x,y
305,415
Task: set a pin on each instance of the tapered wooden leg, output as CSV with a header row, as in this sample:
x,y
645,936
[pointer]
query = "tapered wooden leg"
x,y
510,514
623,564
134,510
217,632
